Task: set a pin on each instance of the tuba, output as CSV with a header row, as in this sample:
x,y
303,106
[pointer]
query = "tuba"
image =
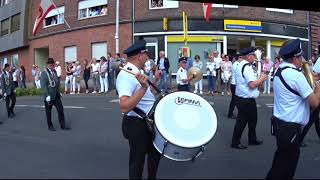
x,y
308,73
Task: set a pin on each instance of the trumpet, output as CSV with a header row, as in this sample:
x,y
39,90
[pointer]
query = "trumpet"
x,y
308,74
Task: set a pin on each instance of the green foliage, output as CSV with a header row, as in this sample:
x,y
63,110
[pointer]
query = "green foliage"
x,y
28,92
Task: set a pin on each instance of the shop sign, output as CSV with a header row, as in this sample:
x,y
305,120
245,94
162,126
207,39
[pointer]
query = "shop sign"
x,y
242,25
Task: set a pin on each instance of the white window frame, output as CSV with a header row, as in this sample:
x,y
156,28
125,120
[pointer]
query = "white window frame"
x,y
59,13
167,4
288,11
70,54
87,4
94,55
224,6
15,56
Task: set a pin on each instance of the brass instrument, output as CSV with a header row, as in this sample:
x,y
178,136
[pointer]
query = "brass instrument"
x,y
195,73
308,73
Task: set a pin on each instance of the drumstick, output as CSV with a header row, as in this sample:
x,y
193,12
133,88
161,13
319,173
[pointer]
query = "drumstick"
x,y
149,82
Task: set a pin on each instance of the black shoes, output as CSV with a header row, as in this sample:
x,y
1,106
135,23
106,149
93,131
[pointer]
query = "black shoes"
x,y
238,146
10,116
255,143
232,116
65,128
52,129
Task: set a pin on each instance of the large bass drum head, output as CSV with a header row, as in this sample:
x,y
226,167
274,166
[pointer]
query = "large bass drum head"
x,y
185,119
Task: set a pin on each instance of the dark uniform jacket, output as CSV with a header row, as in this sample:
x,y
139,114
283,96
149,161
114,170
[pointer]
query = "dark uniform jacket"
x,y
52,90
166,63
7,84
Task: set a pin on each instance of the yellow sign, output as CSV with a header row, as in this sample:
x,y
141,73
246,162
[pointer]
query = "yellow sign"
x,y
165,24
195,39
242,25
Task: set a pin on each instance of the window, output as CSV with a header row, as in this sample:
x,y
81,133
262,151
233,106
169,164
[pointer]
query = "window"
x,y
3,62
224,6
15,23
54,17
98,50
15,61
92,8
5,27
70,54
162,4
4,2
289,11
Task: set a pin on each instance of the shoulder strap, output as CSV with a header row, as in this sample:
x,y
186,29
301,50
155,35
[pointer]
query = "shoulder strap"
x,y
278,73
243,69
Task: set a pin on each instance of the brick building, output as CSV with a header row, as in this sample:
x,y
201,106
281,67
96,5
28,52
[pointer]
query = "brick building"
x,y
93,24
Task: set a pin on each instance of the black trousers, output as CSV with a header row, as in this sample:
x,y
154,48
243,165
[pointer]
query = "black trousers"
x,y
58,104
314,118
232,104
247,115
286,157
9,107
183,87
140,142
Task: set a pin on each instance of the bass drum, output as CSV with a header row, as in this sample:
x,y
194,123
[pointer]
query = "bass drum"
x,y
184,124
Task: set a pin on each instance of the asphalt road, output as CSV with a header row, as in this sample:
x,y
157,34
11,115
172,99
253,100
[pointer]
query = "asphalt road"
x,y
95,148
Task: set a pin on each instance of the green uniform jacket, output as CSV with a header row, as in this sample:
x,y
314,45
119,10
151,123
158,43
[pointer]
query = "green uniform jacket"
x,y
52,90
8,87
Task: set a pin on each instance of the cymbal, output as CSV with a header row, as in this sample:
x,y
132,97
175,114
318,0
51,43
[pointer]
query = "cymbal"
x,y
196,73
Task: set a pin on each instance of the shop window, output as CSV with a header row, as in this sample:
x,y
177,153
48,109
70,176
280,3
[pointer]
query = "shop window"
x,y
224,6
15,23
99,49
163,4
3,62
289,11
54,17
92,8
70,54
5,27
15,61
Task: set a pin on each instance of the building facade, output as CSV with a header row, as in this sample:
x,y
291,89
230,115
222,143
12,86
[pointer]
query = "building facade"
x,y
86,29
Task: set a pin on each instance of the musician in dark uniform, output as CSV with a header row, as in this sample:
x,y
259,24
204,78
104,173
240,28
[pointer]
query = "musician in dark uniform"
x,y
247,84
134,92
50,85
8,90
293,98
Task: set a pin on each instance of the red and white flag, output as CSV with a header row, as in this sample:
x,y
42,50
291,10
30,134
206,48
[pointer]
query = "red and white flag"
x,y
44,8
206,10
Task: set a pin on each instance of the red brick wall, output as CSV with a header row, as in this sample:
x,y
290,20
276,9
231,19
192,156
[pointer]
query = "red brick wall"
x,y
82,39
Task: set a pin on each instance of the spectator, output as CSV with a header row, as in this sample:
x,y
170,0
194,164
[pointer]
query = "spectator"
x,y
149,67
23,77
86,73
211,74
226,72
15,73
95,75
37,77
163,64
103,72
33,74
267,65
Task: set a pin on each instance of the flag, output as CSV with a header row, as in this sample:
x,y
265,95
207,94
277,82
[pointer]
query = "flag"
x,y
44,8
206,10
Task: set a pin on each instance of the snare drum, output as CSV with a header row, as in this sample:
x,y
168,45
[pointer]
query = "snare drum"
x,y
184,124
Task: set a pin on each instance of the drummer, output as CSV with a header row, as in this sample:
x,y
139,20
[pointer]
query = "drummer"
x,y
181,77
134,92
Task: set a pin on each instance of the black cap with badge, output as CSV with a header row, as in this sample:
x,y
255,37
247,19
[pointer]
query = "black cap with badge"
x,y
138,47
246,51
183,59
291,49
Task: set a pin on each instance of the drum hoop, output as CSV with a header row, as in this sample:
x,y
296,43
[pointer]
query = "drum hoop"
x,y
215,127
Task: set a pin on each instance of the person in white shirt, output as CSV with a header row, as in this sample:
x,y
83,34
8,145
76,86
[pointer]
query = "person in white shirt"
x,y
77,77
95,75
149,67
211,75
58,70
181,77
73,78
69,77
293,97
198,63
226,71
233,88
218,61
246,91
134,92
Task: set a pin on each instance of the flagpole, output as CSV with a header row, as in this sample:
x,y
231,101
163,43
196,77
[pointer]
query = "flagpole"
x,y
55,7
